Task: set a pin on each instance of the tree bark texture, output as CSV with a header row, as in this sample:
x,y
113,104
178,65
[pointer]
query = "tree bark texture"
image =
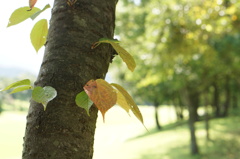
x,y
64,130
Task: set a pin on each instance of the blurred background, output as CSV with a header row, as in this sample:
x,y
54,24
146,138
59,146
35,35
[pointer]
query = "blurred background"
x,y
186,82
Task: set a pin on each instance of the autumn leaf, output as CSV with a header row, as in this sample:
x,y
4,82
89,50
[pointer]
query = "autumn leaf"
x,y
102,94
122,102
126,57
133,106
32,3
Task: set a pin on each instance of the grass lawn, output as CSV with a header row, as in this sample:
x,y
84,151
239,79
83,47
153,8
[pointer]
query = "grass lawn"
x,y
123,137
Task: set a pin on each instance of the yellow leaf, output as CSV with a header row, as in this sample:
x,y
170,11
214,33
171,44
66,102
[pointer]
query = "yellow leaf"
x,y
39,34
102,94
130,101
126,57
121,101
21,14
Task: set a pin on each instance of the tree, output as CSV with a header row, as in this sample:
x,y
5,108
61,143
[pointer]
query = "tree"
x,y
188,46
64,130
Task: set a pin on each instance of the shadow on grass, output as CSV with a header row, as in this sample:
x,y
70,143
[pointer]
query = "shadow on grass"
x,y
167,127
223,149
218,149
179,152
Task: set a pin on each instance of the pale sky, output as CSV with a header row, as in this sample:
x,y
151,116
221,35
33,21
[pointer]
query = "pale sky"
x,y
16,49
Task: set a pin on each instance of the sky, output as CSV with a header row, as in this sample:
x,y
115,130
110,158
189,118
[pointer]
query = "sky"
x,y
16,49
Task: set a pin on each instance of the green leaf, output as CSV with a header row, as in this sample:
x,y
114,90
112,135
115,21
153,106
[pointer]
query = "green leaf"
x,y
83,101
21,14
21,88
44,94
126,57
39,34
39,12
130,101
26,82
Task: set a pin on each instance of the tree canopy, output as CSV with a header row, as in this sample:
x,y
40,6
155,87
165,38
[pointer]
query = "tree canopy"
x,y
180,44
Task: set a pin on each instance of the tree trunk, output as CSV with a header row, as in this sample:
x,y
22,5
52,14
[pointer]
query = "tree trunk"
x,y
206,103
216,99
194,145
194,100
235,94
156,105
178,106
235,100
64,130
193,141
227,96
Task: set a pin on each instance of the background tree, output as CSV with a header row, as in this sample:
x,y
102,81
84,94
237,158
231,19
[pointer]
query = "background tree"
x,y
185,46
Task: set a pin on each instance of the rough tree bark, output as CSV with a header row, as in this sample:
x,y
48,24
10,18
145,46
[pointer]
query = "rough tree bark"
x,y
63,130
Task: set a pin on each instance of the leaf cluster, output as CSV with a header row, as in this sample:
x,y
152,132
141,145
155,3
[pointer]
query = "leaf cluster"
x,y
178,44
99,92
105,96
39,94
39,31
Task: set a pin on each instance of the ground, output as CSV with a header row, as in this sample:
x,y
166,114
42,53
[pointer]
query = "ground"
x,y
123,136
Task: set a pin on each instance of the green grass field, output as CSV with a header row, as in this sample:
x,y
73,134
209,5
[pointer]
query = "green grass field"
x,y
123,137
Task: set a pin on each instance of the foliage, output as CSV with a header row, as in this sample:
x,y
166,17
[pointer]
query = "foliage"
x,y
126,57
21,14
44,94
39,94
19,86
39,34
186,52
82,100
40,30
104,96
179,44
